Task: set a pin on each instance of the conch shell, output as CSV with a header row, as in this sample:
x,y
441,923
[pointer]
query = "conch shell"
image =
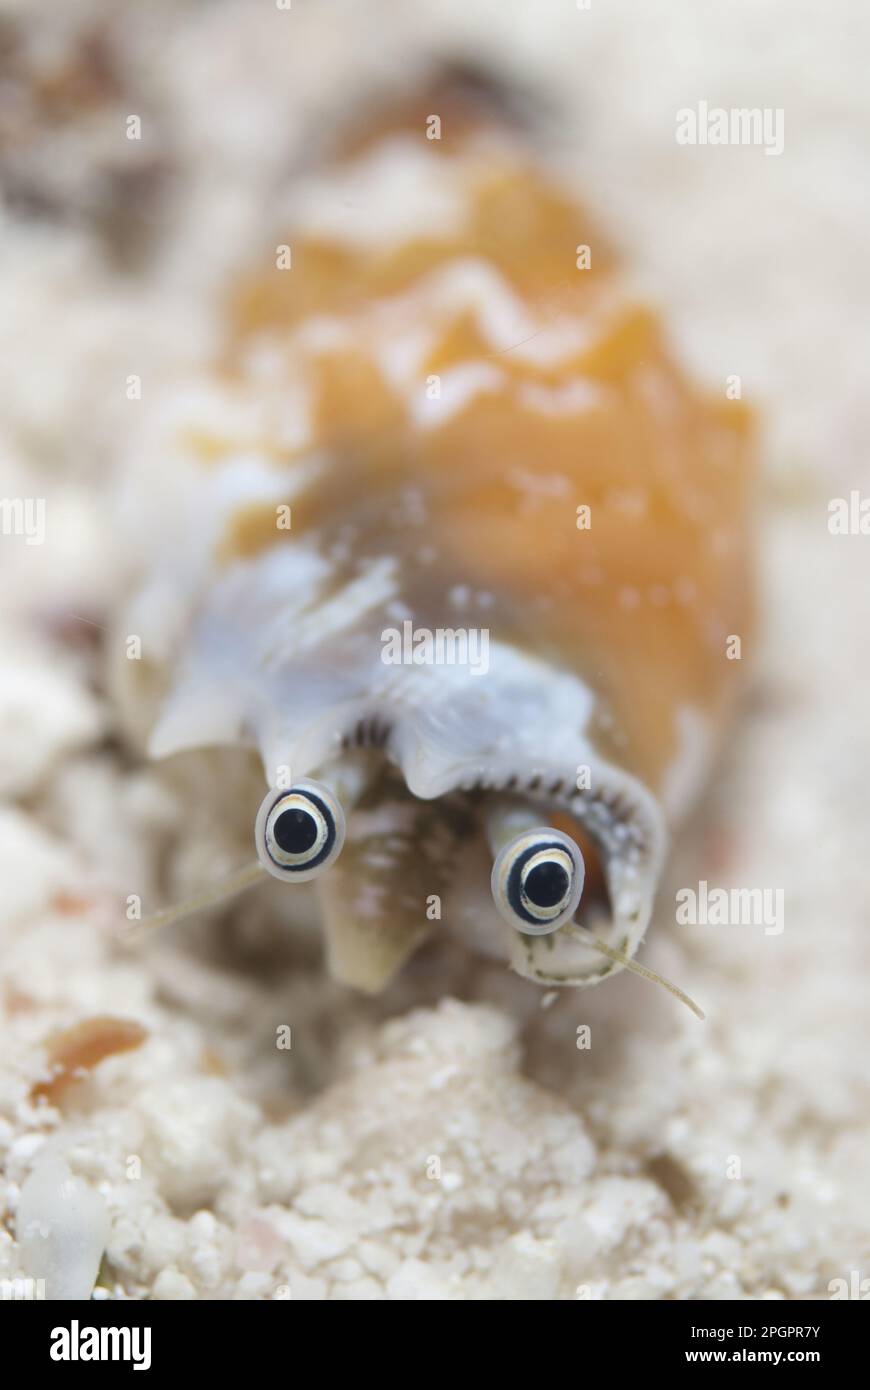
x,y
436,410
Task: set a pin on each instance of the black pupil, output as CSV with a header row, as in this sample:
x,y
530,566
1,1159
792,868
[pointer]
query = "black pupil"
x,y
546,884
295,831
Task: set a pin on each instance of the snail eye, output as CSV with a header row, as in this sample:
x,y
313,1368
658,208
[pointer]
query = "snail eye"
x,y
299,832
537,881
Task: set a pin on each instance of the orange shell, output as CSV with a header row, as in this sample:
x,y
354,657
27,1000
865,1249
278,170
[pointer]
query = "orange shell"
x,y
642,600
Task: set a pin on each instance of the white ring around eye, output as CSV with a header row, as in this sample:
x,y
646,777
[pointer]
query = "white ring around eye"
x,y
537,881
299,831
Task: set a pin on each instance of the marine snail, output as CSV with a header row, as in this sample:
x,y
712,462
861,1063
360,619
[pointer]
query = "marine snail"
x,y
468,550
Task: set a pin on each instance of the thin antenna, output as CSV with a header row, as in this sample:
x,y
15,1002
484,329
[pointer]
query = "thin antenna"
x,y
588,939
218,893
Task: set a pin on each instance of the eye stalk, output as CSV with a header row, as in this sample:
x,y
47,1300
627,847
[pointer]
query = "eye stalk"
x,y
537,880
299,832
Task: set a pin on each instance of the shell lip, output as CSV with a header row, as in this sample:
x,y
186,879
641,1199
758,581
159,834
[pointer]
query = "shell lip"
x,y
624,820
621,816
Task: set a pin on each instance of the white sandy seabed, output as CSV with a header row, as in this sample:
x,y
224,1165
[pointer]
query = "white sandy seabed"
x,y
450,1140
